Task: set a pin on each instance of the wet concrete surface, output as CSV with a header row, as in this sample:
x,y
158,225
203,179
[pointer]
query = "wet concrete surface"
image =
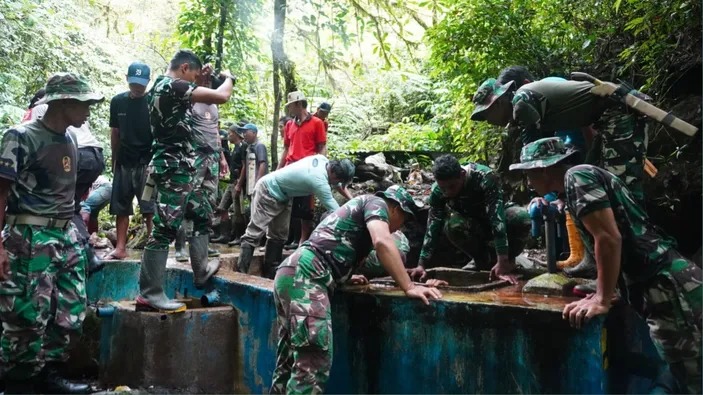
x,y
510,295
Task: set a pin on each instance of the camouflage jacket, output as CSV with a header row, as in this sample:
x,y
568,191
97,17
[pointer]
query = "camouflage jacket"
x,y
342,240
170,113
481,198
644,245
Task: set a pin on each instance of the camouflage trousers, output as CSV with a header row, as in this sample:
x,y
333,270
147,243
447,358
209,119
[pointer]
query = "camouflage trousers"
x,y
372,266
302,296
44,301
181,194
673,312
624,148
474,236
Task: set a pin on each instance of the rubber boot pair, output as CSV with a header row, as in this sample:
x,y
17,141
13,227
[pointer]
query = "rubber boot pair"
x,y
272,258
151,281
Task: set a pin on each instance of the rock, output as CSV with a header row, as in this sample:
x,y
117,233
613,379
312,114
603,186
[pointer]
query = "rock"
x,y
554,284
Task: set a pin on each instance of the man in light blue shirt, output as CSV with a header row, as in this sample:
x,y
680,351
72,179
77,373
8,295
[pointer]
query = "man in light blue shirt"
x,y
273,196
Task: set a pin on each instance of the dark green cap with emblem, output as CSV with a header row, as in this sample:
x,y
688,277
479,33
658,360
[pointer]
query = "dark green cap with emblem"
x,y
542,153
64,86
489,91
402,197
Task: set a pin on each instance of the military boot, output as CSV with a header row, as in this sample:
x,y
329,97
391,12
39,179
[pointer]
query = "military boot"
x,y
245,257
585,269
272,258
151,283
52,382
203,269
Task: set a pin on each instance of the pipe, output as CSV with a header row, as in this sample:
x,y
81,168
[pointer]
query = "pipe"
x,y
105,311
210,299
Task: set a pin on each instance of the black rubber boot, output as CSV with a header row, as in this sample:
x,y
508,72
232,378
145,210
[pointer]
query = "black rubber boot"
x,y
20,386
180,245
94,264
52,382
225,233
272,258
585,269
245,257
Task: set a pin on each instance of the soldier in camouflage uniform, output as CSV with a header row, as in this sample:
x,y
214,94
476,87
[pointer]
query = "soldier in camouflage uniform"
x,y
306,279
42,268
466,204
617,231
542,107
170,107
210,164
545,106
372,266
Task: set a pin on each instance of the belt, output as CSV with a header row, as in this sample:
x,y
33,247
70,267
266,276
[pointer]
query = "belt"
x,y
26,219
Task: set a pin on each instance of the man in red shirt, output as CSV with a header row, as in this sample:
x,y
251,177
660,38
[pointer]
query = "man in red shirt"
x,y
303,136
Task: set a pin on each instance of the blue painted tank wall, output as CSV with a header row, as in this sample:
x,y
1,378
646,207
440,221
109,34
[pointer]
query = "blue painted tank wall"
x,y
387,344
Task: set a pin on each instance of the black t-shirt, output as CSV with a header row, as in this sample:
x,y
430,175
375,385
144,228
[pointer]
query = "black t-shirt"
x,y
131,117
239,153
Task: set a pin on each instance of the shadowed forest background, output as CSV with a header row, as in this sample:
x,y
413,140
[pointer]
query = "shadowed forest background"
x,y
400,74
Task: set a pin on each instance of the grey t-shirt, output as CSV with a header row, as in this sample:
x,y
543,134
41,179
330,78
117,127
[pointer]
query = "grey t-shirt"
x,y
259,150
41,164
206,135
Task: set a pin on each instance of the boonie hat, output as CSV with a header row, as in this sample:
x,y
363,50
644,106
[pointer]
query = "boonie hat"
x,y
399,195
64,86
543,153
489,91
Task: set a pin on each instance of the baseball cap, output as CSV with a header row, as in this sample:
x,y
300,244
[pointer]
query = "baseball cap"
x,y
247,127
295,96
543,153
399,195
348,170
63,86
324,106
489,91
138,73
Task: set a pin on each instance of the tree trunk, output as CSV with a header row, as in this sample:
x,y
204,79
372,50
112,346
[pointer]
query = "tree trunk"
x,y
221,35
281,65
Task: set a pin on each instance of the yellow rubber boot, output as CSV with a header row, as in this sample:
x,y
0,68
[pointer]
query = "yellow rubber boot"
x,y
575,245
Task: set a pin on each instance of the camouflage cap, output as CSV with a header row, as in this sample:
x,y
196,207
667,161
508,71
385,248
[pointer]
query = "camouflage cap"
x,y
63,86
489,91
542,153
399,195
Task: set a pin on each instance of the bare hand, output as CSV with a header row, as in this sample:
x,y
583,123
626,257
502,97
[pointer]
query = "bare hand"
x,y
206,70
433,282
358,279
4,265
539,200
417,274
502,270
227,74
224,168
560,205
580,312
423,293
